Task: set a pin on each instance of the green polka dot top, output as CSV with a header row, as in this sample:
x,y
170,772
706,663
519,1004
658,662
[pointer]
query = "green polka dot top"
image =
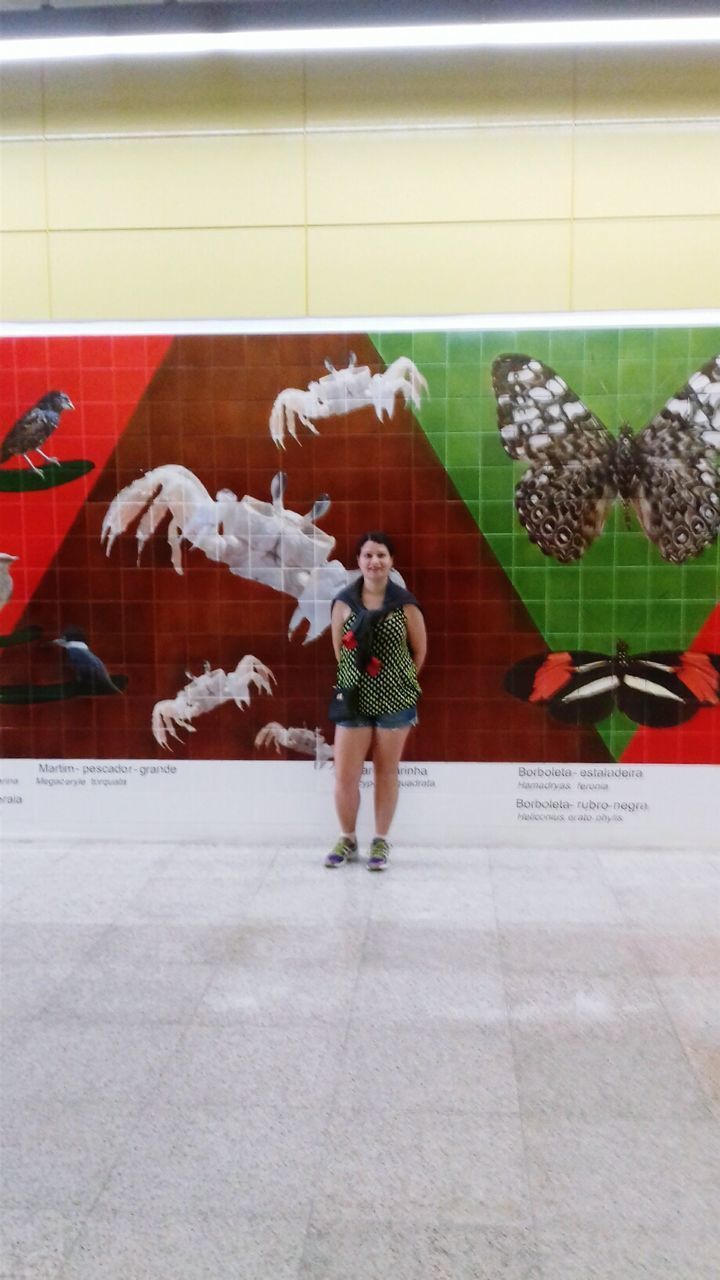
x,y
395,686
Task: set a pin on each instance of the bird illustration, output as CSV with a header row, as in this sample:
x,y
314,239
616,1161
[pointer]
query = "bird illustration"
x,y
6,582
34,428
88,668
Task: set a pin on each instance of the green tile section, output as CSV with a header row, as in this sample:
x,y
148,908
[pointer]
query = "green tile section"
x,y
622,588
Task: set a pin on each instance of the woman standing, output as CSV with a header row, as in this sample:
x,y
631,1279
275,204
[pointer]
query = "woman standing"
x,y
379,638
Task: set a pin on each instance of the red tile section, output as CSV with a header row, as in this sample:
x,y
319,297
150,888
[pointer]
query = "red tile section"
x,y
104,378
697,741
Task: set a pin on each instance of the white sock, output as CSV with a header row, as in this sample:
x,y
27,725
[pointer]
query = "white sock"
x,y
349,835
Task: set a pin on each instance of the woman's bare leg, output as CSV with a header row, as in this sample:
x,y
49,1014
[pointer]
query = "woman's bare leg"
x,y
351,748
388,746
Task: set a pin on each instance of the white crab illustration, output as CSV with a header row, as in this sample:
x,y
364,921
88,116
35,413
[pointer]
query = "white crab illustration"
x,y
343,391
205,692
309,742
261,541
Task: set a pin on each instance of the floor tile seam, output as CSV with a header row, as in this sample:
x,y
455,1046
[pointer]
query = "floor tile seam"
x,y
631,926
12,899
87,956
153,1089
652,1024
149,967
133,902
194,1022
121,1020
267,867
432,1211
141,1111
189,1021
695,1114
85,1209
521,1114
141,965
55,988
220,1024
645,1225
190,1025
709,1102
561,971
330,1111
255,882
100,1014
424,1022
355,1110
74,1235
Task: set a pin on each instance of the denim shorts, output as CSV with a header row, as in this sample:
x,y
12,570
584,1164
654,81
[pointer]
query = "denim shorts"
x,y
405,719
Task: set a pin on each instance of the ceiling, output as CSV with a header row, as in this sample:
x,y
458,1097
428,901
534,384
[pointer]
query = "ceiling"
x,y
97,17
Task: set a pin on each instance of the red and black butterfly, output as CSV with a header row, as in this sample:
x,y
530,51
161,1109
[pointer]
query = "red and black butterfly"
x,y
659,689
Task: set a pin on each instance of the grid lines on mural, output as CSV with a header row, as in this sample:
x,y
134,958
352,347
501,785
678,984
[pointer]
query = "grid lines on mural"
x,y
621,588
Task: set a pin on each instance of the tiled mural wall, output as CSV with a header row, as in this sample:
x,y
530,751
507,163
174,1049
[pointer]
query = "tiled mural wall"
x,y
183,529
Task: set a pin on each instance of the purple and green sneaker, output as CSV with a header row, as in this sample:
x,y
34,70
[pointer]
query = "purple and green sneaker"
x,y
379,855
345,850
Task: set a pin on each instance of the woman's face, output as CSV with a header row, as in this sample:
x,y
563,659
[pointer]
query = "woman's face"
x,y
374,561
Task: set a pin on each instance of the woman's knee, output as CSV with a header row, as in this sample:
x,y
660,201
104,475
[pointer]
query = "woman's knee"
x,y
385,771
347,777
387,754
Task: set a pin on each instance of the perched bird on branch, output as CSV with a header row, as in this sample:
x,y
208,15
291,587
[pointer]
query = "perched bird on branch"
x,y
88,668
34,428
6,582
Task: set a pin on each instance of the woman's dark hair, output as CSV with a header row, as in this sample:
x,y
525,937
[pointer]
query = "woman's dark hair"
x,y
374,535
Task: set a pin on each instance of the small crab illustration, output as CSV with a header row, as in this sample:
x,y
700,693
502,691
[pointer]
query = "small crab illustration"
x,y
207,691
307,742
343,391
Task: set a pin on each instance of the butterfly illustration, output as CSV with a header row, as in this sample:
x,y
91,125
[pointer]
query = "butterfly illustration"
x,y
668,472
657,689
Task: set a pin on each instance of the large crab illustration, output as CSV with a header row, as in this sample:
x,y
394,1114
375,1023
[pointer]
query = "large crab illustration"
x,y
205,692
343,391
262,541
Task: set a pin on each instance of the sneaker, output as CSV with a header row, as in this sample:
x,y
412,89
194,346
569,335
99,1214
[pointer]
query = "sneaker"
x,y
379,855
345,850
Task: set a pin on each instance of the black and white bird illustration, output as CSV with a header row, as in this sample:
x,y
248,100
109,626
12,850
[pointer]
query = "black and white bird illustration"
x,y
668,471
34,428
6,582
88,668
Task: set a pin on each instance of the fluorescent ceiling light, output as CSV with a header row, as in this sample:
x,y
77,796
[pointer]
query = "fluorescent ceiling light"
x,y
697,318
472,35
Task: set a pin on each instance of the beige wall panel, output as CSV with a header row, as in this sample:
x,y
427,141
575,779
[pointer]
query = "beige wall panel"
x,y
22,186
21,104
646,170
441,269
651,83
663,262
176,182
168,93
24,292
177,274
458,87
439,175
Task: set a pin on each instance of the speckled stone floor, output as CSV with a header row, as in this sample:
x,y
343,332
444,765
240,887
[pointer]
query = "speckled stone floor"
x,y
230,1064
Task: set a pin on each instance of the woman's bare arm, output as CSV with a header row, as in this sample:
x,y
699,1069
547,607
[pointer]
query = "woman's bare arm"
x,y
338,618
417,634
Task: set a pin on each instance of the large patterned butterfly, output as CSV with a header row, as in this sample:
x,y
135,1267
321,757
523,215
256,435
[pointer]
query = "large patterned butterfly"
x,y
579,687
668,472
